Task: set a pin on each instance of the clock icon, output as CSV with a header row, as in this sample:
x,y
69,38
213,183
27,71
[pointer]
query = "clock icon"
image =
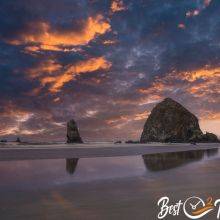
x,y
194,207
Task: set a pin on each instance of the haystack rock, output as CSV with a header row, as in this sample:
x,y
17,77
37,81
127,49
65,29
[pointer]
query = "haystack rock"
x,y
169,121
73,133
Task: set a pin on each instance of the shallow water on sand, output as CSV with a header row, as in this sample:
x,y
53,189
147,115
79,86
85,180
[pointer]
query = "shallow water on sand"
x,y
106,188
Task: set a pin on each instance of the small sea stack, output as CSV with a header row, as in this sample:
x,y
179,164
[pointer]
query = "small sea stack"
x,y
73,135
169,121
18,140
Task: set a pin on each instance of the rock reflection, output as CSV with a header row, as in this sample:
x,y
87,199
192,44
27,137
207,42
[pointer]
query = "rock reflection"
x,y
165,161
71,165
211,152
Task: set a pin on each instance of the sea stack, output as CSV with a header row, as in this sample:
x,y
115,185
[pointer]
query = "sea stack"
x,y
169,121
73,133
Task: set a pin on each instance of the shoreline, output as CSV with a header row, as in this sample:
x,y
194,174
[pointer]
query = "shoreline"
x,y
60,151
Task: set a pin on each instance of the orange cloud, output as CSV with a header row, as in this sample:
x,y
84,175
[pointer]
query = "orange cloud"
x,y
209,90
205,88
203,83
141,116
153,93
118,119
150,99
17,114
12,111
210,115
49,66
14,120
48,39
15,130
203,73
121,121
19,117
127,118
117,5
156,86
210,121
71,71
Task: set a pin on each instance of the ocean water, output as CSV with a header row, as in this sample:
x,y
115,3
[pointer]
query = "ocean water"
x,y
126,187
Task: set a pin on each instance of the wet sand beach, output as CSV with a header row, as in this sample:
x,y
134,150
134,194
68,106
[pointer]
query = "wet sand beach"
x,y
57,151
122,187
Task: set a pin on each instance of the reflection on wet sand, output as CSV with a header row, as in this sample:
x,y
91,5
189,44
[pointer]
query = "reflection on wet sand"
x,y
164,161
71,165
211,152
160,161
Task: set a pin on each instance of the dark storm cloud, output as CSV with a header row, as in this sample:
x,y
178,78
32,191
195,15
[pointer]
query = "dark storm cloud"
x,y
104,63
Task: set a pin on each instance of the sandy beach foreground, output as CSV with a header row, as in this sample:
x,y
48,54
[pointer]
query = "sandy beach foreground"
x,y
59,151
109,188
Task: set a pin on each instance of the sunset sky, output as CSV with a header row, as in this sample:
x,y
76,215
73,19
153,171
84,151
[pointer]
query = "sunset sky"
x,y
105,64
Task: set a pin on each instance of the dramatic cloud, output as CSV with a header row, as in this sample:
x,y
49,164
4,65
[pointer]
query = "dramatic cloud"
x,y
47,38
16,117
46,67
205,73
201,82
106,64
71,71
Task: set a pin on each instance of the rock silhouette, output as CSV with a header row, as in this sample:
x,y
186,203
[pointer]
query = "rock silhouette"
x,y
73,135
18,140
169,121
